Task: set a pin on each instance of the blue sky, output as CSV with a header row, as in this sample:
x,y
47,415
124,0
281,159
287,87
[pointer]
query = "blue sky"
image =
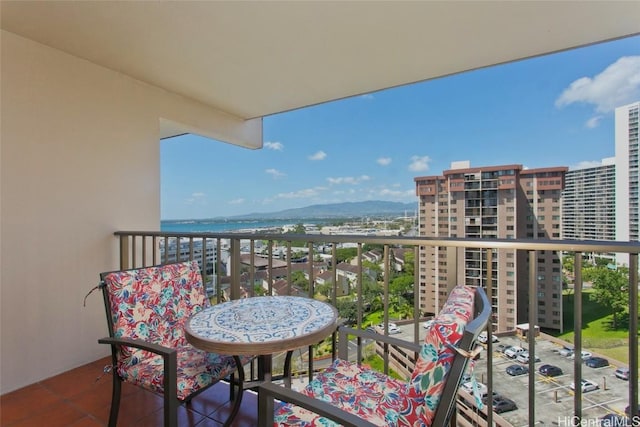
x,y
555,110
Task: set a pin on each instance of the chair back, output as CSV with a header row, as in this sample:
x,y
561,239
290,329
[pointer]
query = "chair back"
x,y
434,383
152,304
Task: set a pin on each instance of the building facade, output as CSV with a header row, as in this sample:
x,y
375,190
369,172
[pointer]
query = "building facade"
x,y
627,174
505,202
589,203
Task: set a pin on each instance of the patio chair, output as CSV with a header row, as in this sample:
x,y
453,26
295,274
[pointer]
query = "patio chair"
x,y
146,309
351,394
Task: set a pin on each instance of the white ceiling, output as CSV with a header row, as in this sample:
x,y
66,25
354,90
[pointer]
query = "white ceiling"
x,y
252,59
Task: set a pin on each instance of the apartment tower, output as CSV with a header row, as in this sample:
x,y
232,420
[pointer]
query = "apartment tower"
x,y
627,175
589,203
494,202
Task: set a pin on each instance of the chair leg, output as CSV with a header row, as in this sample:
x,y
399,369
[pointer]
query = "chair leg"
x,y
115,400
171,390
238,401
232,387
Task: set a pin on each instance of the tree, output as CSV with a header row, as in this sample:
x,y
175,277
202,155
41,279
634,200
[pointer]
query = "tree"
x,y
409,262
611,289
348,310
298,279
345,254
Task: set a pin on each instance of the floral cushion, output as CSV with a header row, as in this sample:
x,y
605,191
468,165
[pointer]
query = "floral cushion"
x,y
152,304
382,400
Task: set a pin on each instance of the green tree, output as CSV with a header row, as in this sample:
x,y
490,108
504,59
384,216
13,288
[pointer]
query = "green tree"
x,y
567,263
611,289
345,254
348,310
401,285
409,262
373,267
298,279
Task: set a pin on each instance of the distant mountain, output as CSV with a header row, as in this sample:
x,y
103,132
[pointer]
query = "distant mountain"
x,y
374,208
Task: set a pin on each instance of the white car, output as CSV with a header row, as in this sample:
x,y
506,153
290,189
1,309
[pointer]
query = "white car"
x,y
482,389
513,352
586,386
524,357
585,355
566,351
393,329
483,338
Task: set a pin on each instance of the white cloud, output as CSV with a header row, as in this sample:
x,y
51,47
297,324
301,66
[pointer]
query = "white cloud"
x,y
617,85
400,194
197,197
320,155
384,161
304,193
348,180
593,122
419,163
275,173
367,96
236,201
278,146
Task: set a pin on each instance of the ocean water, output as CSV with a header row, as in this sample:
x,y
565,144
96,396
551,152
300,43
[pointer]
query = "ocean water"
x,y
220,226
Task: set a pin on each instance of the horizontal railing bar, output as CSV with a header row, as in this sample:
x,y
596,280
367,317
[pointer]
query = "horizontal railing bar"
x,y
524,244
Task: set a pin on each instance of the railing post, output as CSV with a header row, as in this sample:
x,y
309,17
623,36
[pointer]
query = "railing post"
x,y
633,337
234,289
124,252
577,336
531,333
489,329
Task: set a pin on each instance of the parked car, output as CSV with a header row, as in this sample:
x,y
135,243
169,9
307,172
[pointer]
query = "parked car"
x,y
550,370
502,347
622,373
524,357
515,370
627,410
585,355
393,328
596,362
469,388
614,420
566,351
483,338
513,352
586,386
503,404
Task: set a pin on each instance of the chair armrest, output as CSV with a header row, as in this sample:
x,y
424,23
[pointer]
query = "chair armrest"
x,y
344,331
143,345
268,391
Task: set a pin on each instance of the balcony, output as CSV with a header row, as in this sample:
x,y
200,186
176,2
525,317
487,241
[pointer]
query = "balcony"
x,y
243,265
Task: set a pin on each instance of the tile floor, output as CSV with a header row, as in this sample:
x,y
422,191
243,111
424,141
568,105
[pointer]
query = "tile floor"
x,y
81,397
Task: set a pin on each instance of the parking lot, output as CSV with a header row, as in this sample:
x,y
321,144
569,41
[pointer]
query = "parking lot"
x,y
553,395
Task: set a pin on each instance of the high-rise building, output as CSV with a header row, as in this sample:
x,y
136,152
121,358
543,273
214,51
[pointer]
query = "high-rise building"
x,y
506,202
589,203
627,174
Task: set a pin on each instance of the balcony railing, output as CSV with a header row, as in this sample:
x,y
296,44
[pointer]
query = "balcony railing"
x,y
236,265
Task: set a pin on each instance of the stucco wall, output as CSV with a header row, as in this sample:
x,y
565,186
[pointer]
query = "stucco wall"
x,y
79,160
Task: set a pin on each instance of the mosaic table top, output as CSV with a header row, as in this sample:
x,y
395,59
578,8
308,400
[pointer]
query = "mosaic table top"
x,y
261,325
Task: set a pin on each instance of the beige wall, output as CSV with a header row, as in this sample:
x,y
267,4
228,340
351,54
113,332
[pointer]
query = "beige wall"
x,y
79,160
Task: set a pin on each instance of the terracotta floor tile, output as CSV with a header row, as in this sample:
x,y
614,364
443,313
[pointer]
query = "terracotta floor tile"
x,y
61,415
26,402
76,399
75,381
